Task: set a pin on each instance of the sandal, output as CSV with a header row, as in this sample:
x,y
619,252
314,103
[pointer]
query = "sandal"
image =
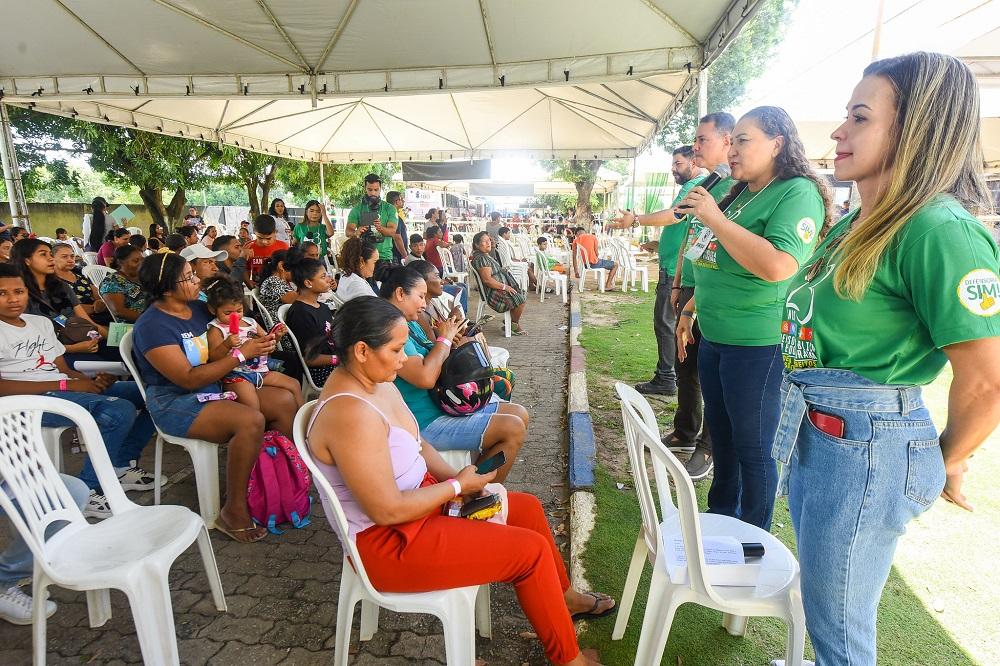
x,y
234,533
515,329
590,614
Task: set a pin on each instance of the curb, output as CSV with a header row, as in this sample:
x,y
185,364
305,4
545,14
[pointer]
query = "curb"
x,y
582,449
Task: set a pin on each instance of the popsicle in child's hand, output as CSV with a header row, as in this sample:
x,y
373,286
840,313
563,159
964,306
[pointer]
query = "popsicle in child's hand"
x,y
234,323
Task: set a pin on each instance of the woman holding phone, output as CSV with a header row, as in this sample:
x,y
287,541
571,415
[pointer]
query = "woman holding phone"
x,y
900,287
392,483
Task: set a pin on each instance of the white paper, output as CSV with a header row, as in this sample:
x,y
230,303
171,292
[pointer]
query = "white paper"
x,y
726,565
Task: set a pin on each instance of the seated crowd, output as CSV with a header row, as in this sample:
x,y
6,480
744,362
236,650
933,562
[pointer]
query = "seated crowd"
x,y
377,359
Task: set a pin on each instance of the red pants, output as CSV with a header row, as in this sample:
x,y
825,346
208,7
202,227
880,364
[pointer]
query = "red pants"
x,y
454,552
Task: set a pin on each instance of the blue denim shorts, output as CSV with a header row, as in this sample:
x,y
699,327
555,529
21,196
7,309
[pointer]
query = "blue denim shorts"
x,y
174,409
606,264
460,433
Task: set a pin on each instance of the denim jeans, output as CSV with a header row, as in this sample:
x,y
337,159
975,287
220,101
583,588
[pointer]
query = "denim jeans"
x,y
851,497
741,387
16,561
664,324
121,416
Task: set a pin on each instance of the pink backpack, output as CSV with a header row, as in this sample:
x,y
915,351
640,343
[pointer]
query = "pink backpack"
x,y
278,491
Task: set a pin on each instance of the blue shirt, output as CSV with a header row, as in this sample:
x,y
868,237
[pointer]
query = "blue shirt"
x,y
156,328
418,399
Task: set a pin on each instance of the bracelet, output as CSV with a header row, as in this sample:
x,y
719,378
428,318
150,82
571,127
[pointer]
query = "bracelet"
x,y
456,485
688,313
63,385
445,341
237,354
677,288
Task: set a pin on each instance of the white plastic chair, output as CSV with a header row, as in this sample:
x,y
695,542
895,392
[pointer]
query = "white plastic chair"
x,y
518,269
448,264
543,276
481,308
631,271
52,439
309,388
204,454
777,591
264,314
459,609
135,231
582,269
90,258
96,273
131,551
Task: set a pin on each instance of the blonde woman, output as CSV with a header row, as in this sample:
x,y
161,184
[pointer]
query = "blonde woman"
x,y
899,287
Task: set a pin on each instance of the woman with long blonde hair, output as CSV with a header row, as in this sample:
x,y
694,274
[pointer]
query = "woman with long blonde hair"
x,y
898,288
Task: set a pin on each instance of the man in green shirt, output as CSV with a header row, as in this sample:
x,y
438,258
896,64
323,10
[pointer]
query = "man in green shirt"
x,y
376,221
713,139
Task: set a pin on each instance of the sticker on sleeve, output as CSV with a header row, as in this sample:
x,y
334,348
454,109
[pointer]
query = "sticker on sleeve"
x,y
979,292
806,229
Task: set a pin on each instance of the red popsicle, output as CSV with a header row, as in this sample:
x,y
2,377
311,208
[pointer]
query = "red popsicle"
x,y
234,323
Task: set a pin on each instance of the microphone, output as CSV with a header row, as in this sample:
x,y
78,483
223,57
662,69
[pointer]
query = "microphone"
x,y
721,173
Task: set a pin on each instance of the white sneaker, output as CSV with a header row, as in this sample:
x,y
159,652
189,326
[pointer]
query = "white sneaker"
x,y
15,606
97,506
136,478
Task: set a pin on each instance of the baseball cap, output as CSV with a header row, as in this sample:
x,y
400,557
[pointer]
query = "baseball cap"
x,y
199,251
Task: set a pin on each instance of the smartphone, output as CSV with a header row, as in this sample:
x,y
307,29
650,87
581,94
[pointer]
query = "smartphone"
x,y
491,463
478,504
277,327
828,423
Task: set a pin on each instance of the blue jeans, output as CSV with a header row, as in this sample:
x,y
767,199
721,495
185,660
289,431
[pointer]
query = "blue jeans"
x,y
460,292
16,561
121,416
851,497
740,386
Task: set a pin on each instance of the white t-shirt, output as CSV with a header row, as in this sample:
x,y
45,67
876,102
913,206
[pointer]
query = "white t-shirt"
x,y
28,353
352,286
282,230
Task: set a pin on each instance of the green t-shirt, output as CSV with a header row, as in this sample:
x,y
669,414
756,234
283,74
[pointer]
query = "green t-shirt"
x,y
387,215
418,399
718,192
937,285
302,233
735,307
673,235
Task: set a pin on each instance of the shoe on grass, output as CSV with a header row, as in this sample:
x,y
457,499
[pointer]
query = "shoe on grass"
x,y
136,478
656,388
700,465
673,443
97,506
15,606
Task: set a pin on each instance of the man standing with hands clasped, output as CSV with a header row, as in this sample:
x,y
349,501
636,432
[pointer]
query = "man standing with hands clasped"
x,y
376,220
713,139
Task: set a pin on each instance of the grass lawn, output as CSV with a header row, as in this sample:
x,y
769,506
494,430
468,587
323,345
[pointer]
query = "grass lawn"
x,y
938,606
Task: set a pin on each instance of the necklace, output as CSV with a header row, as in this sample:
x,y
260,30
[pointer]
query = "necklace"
x,y
739,210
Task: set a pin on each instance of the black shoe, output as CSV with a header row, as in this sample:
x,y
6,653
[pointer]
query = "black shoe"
x,y
677,445
654,388
700,465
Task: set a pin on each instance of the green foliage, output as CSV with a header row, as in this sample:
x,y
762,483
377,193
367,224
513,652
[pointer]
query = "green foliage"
x,y
562,203
344,182
744,60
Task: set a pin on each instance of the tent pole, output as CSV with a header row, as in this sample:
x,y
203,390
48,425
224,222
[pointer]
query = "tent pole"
x,y
703,93
11,173
322,185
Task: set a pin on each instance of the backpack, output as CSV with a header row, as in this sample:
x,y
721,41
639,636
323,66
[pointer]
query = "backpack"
x,y
466,382
278,491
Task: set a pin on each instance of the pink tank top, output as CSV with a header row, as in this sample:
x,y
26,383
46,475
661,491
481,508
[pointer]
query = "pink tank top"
x,y
408,467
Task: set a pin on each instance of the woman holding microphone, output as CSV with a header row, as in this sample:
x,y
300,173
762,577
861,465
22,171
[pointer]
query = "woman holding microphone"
x,y
744,250
899,287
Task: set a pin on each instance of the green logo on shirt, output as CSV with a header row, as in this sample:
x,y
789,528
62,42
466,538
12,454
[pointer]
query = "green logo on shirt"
x,y
979,292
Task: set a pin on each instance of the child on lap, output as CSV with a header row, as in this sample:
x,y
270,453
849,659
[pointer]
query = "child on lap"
x,y
225,298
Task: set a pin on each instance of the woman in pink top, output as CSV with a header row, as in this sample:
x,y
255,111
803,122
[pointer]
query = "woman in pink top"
x,y
392,486
114,240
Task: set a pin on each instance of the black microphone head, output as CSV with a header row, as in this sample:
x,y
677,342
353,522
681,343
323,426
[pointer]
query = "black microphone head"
x,y
721,173
723,170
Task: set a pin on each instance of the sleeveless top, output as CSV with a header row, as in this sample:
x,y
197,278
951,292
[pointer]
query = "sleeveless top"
x,y
408,467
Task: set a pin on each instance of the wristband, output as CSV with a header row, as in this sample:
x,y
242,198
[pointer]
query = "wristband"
x,y
456,485
63,385
687,313
677,288
238,355
445,341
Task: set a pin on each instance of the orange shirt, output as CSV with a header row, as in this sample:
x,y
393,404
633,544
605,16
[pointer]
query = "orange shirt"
x,y
589,244
262,254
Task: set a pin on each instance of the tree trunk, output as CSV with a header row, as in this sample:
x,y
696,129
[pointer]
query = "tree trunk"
x,y
153,198
584,216
175,209
265,187
251,187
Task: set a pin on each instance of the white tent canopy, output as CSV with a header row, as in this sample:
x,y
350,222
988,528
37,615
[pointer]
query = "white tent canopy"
x,y
344,80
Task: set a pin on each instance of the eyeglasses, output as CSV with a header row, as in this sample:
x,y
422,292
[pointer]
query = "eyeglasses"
x,y
192,278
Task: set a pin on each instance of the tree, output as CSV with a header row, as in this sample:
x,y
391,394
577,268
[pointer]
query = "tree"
x,y
582,173
344,182
256,172
743,61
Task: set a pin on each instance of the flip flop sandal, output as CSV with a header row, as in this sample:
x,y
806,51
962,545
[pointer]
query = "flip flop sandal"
x,y
517,330
232,532
590,614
